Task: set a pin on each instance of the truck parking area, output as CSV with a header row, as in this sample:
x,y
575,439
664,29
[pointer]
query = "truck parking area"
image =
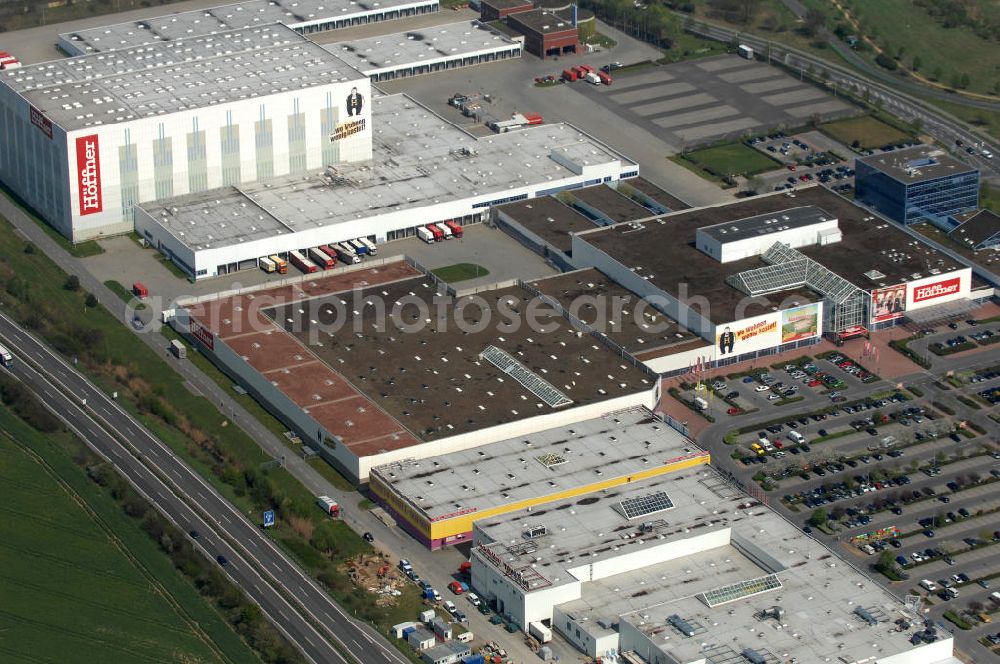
x,y
698,102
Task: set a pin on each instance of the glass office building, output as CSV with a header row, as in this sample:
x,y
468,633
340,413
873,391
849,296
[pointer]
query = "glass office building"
x,y
921,183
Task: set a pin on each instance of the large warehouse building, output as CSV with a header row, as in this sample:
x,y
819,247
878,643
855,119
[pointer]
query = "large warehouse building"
x,y
682,568
423,169
316,354
427,50
303,16
773,273
87,138
438,499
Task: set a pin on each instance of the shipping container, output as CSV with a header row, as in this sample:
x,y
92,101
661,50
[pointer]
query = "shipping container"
x,y
346,255
267,264
359,249
569,75
444,229
280,263
605,77
455,228
318,256
580,72
369,245
6,357
140,291
540,632
438,235
301,262
328,505
425,235
587,68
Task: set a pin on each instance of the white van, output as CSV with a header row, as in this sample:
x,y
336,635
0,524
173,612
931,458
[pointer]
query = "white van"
x,y
700,403
927,585
796,437
952,593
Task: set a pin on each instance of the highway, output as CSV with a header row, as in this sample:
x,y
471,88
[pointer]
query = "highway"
x,y
302,610
935,122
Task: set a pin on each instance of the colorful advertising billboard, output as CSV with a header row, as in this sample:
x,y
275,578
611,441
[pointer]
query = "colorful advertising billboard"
x,y
888,303
770,330
88,171
800,323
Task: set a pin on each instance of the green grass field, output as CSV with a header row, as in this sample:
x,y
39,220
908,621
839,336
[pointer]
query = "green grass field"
x,y
867,131
460,272
80,579
731,159
951,50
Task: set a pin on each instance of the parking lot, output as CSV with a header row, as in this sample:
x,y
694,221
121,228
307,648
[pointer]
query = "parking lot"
x,y
807,157
698,102
905,483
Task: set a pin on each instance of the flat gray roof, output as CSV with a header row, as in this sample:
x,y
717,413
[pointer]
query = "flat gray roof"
x,y
293,13
419,159
772,222
818,591
415,47
917,164
145,81
549,462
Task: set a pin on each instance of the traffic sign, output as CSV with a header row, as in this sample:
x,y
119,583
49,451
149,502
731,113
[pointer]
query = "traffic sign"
x,y
268,518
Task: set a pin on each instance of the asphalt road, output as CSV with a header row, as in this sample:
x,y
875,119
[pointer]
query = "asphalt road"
x,y
291,600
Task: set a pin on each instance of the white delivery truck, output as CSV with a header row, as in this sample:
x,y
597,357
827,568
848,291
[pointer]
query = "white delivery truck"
x,y
425,235
267,264
444,229
6,357
745,51
593,78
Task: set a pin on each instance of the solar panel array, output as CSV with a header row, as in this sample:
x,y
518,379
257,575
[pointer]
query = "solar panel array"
x,y
735,591
525,376
633,508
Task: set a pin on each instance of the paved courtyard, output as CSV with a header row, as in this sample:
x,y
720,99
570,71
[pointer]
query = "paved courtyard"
x,y
698,102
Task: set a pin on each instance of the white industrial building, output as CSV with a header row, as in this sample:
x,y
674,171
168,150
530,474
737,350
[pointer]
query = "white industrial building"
x,y
685,569
304,16
423,169
87,138
743,238
427,50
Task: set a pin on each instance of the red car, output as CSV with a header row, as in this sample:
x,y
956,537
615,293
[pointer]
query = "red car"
x,y
791,167
814,383
778,444
735,411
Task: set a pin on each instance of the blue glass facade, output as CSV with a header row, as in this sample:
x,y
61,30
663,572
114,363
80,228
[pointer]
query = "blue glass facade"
x,y
922,200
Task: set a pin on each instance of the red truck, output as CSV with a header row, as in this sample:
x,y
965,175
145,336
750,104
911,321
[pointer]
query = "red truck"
x,y
587,68
605,77
301,262
533,118
569,75
332,253
456,230
580,71
436,232
140,291
321,258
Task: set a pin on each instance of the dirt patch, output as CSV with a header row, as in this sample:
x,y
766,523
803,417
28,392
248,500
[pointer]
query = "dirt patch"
x,y
375,574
